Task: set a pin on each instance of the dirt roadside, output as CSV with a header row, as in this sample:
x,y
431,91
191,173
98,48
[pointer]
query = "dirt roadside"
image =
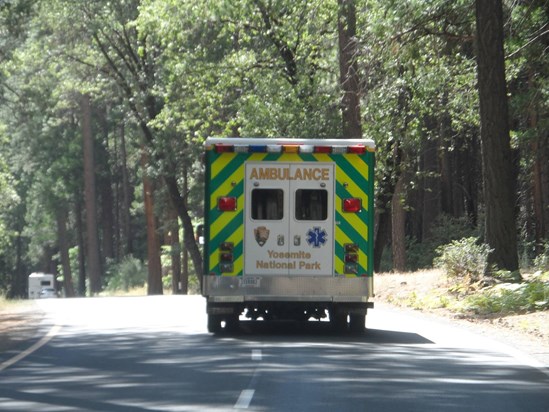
x,y
528,333
19,323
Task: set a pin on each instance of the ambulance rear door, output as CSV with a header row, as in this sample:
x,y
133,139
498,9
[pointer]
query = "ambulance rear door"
x,y
289,219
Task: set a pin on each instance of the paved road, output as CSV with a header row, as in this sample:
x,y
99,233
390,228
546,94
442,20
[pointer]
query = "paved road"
x,y
153,353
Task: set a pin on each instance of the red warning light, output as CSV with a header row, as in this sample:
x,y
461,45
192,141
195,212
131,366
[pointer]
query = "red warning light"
x,y
352,205
226,204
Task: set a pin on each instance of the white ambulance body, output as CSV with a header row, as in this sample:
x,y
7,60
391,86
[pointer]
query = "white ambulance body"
x,y
288,230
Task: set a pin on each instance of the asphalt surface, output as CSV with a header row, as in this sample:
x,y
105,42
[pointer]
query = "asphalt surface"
x,y
154,353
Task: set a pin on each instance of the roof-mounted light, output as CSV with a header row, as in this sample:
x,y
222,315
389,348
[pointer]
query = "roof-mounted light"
x,y
290,148
306,148
323,149
274,148
356,149
257,148
224,148
241,148
339,149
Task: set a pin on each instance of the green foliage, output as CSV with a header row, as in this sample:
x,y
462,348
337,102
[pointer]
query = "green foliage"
x,y
541,262
128,273
193,286
464,262
508,299
445,229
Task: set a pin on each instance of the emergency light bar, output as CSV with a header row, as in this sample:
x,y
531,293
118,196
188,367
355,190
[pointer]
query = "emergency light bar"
x,y
291,148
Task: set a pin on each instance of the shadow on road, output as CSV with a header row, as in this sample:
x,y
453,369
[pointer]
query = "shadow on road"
x,y
252,330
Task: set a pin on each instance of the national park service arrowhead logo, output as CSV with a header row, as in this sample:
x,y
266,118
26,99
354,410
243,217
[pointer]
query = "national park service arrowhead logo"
x,y
261,235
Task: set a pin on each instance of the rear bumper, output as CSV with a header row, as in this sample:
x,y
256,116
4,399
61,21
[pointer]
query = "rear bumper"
x,y
287,288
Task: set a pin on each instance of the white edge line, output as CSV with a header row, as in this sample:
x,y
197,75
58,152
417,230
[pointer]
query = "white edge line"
x,y
244,399
45,339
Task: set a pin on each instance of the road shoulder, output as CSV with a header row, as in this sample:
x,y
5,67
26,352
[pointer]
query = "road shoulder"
x,y
19,324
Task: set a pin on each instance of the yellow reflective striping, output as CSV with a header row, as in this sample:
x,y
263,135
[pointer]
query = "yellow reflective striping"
x,y
352,187
220,163
339,266
255,157
238,267
322,157
225,188
237,177
353,220
359,164
214,258
289,157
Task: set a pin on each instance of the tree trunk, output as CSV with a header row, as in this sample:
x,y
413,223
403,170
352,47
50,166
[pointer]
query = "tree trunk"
x,y
81,248
384,197
537,185
63,242
497,160
126,197
544,160
172,236
185,275
189,241
430,182
105,188
348,69
94,261
20,281
153,244
179,203
398,225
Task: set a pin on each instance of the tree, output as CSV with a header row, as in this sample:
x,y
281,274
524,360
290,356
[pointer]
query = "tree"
x,y
499,173
348,68
94,260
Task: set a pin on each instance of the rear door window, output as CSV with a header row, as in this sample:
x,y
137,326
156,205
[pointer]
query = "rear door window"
x,y
311,204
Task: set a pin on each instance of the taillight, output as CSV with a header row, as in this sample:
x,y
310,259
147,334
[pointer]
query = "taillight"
x,y
226,257
352,205
226,203
351,258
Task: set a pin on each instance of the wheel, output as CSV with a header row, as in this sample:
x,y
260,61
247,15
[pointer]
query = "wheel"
x,y
214,323
357,323
232,324
338,321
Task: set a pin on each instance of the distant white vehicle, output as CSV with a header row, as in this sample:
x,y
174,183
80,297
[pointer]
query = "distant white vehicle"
x,y
48,293
38,282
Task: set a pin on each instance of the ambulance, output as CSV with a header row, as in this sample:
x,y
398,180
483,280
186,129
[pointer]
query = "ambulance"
x,y
288,231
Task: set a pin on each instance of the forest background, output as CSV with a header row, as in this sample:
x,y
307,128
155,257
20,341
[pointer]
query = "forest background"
x,y
104,107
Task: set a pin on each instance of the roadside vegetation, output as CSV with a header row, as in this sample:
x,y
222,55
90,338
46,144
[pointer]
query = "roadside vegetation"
x,y
462,282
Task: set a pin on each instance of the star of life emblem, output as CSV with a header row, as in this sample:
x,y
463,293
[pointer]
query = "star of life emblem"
x,y
316,237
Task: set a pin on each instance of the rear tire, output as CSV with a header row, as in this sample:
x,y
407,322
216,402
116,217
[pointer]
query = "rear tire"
x,y
214,323
339,322
232,324
357,323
